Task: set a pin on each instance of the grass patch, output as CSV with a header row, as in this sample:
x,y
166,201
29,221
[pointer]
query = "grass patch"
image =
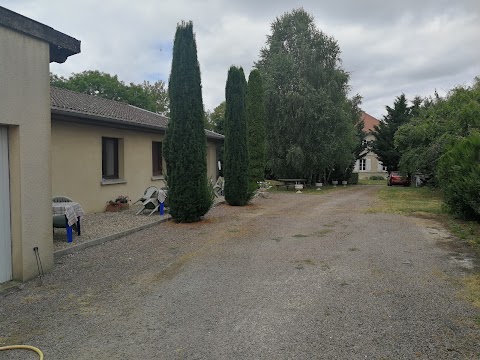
x,y
372,182
472,284
425,202
409,201
468,231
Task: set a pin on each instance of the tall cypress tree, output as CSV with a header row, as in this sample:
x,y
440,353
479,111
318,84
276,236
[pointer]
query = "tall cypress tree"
x,y
236,169
384,133
185,145
255,128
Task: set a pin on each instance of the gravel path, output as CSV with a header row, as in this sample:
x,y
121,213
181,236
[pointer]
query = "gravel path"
x,y
98,225
289,277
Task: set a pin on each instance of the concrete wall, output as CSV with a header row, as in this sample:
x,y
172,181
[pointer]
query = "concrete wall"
x,y
25,109
77,163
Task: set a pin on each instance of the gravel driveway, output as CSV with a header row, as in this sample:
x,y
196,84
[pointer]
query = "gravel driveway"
x,y
289,277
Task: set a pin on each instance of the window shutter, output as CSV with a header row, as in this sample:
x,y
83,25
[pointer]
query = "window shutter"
x,y
355,169
369,164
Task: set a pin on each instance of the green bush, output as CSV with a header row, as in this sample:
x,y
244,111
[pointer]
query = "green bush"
x,y
353,179
376,177
458,173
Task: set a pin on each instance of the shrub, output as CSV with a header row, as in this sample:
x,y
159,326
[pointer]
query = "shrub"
x,y
459,177
353,179
185,145
376,177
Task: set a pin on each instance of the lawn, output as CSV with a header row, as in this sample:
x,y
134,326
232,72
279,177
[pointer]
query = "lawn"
x,y
425,202
372,182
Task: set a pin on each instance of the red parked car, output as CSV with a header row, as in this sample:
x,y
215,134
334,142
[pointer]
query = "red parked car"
x,y
395,178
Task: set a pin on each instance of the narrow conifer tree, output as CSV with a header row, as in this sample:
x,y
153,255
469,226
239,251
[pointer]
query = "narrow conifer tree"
x,y
185,147
255,128
236,169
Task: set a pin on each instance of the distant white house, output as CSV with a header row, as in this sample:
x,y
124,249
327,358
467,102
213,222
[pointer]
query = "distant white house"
x,y
369,165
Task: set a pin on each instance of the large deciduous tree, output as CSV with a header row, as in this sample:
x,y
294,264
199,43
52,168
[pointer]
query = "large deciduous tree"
x,y
437,123
255,128
384,145
236,167
309,127
215,120
185,142
148,96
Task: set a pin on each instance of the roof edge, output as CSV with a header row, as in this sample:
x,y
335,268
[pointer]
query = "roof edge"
x,y
125,124
61,45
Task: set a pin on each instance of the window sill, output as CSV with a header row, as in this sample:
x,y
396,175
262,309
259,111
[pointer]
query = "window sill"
x,y
158,177
113,181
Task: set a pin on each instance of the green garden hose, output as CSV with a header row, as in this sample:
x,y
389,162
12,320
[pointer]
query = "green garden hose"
x,y
23,347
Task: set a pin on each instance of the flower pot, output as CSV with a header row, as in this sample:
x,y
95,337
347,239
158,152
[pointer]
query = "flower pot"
x,y
344,183
299,188
319,185
113,208
334,183
124,206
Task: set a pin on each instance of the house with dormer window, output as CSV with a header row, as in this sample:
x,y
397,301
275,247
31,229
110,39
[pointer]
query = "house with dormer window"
x,y
369,164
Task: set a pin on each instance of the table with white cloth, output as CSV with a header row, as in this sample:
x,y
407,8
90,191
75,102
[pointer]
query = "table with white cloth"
x,y
72,212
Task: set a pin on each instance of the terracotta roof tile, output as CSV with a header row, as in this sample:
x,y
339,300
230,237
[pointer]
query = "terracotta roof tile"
x,y
83,104
369,122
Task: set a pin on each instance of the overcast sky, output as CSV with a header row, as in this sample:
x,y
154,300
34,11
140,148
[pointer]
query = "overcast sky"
x,y
389,47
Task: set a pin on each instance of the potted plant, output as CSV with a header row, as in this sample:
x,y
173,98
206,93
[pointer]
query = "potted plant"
x,y
123,200
112,206
119,204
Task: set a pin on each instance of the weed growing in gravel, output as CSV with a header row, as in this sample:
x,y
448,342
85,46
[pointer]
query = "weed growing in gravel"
x,y
353,249
323,232
300,235
299,264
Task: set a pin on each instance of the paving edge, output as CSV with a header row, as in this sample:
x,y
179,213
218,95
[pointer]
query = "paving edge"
x,y
70,250
59,253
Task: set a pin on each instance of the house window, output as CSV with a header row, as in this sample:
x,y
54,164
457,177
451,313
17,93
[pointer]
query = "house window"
x,y
364,142
157,158
384,168
109,158
362,166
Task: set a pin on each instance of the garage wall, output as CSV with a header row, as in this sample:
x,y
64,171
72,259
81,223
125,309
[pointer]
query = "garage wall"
x,y
25,110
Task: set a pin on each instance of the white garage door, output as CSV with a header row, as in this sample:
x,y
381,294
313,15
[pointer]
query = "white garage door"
x,y
5,238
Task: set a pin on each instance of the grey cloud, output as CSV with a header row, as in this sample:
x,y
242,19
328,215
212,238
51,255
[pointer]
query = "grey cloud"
x,y
388,47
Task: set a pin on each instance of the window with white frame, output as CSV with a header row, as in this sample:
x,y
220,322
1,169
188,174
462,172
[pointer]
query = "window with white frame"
x,y
362,165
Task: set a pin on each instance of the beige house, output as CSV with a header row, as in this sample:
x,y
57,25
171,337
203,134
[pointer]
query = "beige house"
x,y
369,165
55,141
103,148
26,49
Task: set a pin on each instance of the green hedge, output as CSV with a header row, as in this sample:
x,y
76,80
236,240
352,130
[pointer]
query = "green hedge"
x,y
459,177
